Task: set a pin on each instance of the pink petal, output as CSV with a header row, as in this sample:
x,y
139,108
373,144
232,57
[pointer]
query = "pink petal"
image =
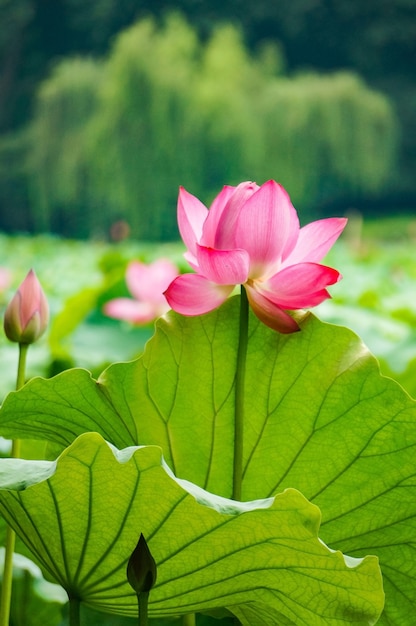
x,y
316,239
214,215
132,311
269,313
147,282
193,294
191,217
266,227
188,256
300,286
225,225
293,226
224,267
29,292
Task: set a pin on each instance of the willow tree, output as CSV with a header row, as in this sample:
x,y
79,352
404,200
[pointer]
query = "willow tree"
x,y
326,137
114,140
229,81
146,137
58,160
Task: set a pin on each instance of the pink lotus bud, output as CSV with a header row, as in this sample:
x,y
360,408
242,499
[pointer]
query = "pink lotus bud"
x,y
27,314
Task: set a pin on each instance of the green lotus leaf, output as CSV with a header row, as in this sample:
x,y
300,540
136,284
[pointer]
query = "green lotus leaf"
x,y
319,418
81,516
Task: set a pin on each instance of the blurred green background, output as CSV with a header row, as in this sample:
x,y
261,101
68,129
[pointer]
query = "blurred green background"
x,y
107,106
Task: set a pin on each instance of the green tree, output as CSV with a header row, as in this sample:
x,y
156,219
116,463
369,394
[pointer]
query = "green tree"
x,y
57,161
376,39
115,140
146,138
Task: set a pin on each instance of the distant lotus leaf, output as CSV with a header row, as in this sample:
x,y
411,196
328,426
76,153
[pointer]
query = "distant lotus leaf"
x,y
35,602
81,517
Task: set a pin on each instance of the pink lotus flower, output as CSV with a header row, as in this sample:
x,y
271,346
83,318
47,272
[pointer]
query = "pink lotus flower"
x,y
27,314
251,236
146,284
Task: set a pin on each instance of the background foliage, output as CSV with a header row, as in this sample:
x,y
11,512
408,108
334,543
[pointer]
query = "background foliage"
x,y
113,139
376,40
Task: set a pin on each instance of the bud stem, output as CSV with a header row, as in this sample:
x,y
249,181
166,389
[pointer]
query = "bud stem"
x,y
21,367
6,590
143,600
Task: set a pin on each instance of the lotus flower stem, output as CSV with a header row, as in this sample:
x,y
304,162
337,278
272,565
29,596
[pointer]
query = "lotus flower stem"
x,y
74,612
6,591
239,396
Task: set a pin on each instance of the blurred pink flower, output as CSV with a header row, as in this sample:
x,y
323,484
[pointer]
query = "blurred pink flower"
x,y
27,315
251,236
5,278
146,283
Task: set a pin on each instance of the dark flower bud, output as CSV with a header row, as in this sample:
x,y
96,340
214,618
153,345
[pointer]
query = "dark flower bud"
x,y
141,568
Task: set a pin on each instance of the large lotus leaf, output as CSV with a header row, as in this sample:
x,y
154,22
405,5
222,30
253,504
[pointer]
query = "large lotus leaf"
x,y
81,516
319,418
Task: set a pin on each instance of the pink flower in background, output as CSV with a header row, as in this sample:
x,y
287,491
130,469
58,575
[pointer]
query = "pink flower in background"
x,y
27,314
146,284
251,236
5,278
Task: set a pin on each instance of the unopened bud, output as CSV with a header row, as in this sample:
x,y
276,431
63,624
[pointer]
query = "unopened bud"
x,y
141,568
27,314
